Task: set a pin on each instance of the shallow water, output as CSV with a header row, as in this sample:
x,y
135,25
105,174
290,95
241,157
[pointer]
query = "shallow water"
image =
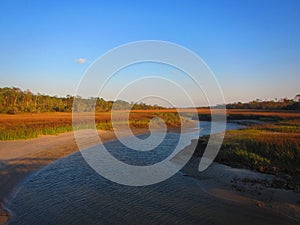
x,y
70,192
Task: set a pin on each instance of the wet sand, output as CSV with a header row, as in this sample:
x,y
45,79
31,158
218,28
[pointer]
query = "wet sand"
x,y
243,186
19,159
69,191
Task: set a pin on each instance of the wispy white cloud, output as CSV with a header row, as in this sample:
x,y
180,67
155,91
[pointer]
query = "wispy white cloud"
x,y
81,60
174,72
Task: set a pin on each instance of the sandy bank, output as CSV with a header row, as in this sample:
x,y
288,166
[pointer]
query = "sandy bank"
x,y
242,186
19,159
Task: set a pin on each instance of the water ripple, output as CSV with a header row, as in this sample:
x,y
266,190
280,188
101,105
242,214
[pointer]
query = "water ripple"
x,y
70,192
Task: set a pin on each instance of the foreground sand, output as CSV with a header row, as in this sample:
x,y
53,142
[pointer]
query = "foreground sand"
x,y
19,159
241,185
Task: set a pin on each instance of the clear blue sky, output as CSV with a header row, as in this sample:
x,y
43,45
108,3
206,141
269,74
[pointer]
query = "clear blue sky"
x,y
253,47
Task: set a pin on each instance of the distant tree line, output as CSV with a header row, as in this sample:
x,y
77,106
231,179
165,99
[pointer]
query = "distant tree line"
x,y
281,104
14,100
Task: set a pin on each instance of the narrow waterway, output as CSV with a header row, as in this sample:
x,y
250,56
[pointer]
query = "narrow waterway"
x,y
69,191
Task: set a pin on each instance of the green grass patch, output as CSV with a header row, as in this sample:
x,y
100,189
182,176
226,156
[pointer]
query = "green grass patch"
x,y
30,127
273,149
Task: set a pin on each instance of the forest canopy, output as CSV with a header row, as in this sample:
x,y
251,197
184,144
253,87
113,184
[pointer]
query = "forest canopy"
x,y
281,104
14,100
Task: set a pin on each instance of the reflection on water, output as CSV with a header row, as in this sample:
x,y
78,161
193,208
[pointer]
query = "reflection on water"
x,y
70,192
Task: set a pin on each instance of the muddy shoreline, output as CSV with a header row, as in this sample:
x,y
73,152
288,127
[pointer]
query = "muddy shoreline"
x,y
238,185
25,157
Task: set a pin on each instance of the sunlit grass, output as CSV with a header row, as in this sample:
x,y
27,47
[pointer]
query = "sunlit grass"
x,y
27,126
292,126
270,148
262,150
